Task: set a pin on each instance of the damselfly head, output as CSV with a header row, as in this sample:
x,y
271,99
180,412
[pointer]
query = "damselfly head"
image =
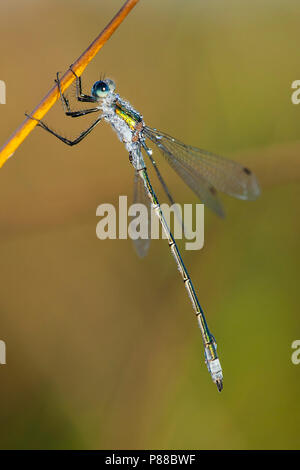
x,y
101,88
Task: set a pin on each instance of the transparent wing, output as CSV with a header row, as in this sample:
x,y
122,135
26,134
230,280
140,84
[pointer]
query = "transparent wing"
x,y
201,187
164,185
142,245
205,172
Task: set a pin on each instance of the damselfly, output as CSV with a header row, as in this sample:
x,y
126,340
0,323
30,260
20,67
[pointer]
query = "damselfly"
x,y
204,172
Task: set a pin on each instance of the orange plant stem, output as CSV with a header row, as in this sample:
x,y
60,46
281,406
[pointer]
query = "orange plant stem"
x,y
52,96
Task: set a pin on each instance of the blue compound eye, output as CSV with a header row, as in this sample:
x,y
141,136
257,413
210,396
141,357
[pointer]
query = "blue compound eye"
x,y
100,89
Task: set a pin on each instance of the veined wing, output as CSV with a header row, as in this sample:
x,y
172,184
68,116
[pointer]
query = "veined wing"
x,y
201,186
222,174
141,245
164,186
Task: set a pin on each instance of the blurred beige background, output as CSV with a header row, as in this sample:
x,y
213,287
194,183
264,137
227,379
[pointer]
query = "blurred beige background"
x,y
102,347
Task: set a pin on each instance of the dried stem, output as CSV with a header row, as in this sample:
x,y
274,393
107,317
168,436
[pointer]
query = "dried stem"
x,y
52,96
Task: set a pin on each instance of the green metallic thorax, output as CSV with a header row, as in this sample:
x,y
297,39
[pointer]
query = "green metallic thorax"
x,y
130,117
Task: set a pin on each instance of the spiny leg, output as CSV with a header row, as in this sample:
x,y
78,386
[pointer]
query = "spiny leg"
x,y
81,96
68,112
64,139
211,357
66,104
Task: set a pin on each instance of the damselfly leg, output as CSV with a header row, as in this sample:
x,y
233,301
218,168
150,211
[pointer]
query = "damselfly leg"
x,y
69,112
79,95
75,141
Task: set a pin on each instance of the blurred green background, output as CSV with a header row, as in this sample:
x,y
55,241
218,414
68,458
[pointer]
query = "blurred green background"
x,y
103,350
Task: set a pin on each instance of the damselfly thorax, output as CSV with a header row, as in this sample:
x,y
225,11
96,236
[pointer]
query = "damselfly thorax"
x,y
128,124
